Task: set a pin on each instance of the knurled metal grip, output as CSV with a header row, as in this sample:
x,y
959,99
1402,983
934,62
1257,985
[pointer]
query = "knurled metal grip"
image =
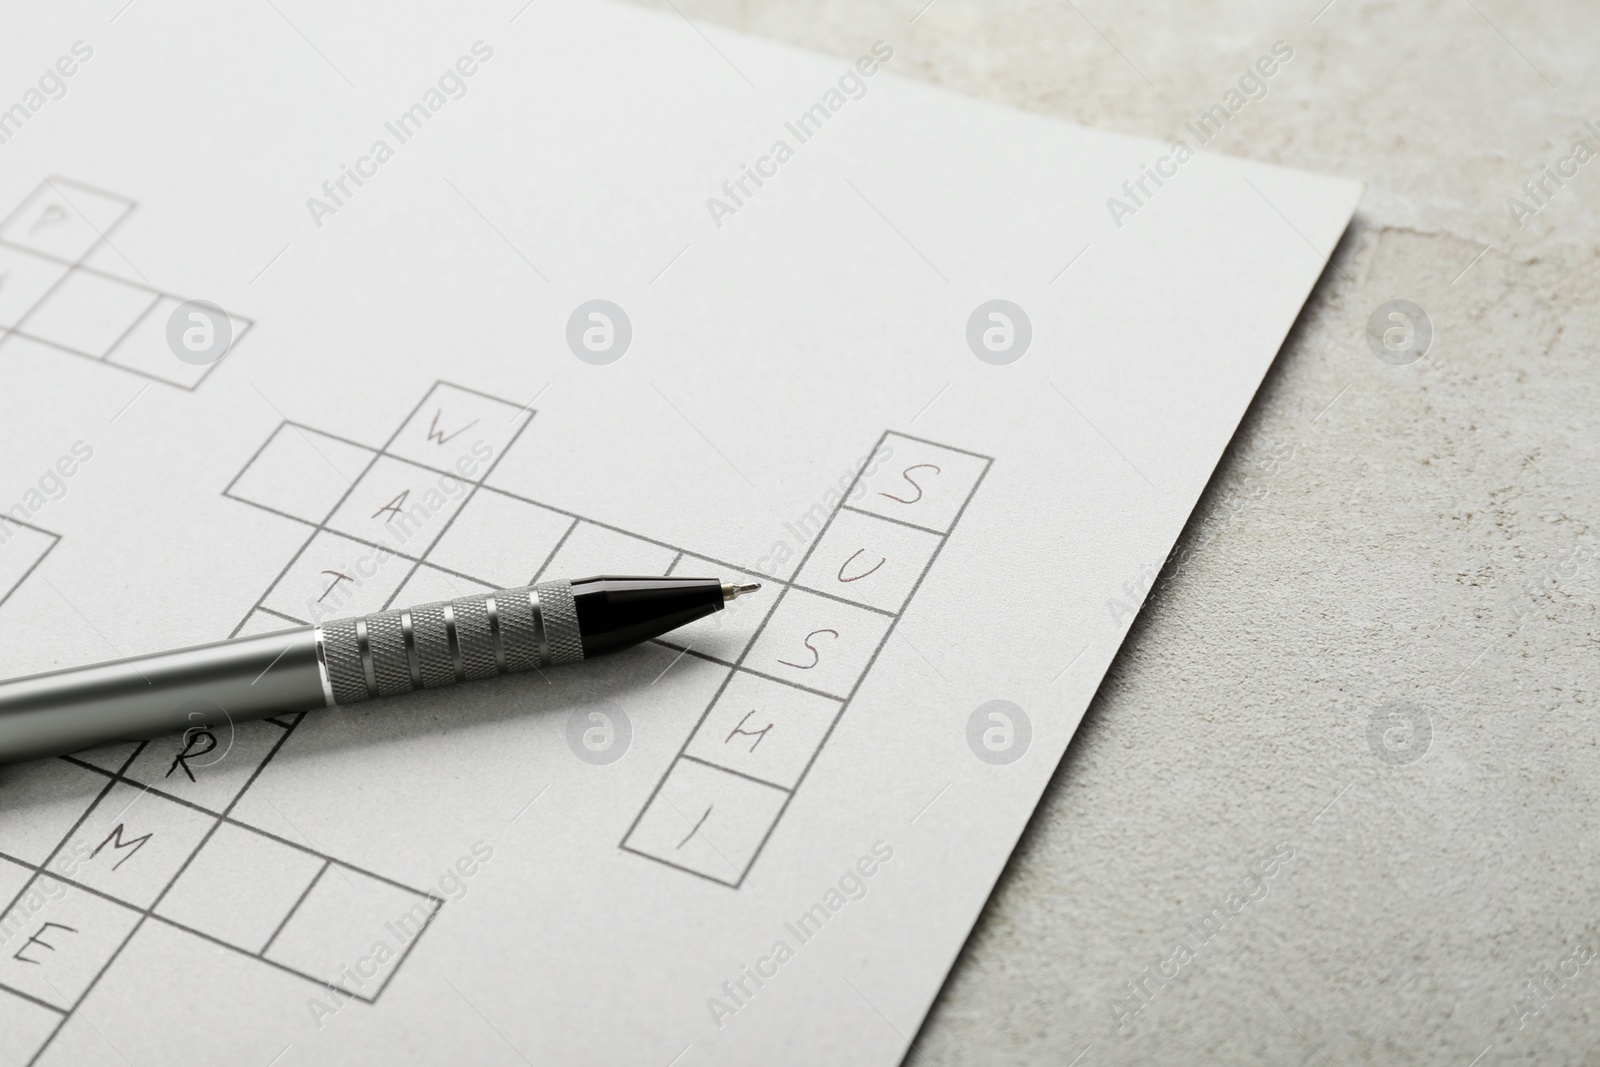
x,y
433,645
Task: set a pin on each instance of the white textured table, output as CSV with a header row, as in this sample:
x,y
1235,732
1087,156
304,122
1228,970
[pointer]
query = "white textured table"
x,y
1380,651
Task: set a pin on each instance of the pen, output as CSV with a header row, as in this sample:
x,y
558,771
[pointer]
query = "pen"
x,y
346,661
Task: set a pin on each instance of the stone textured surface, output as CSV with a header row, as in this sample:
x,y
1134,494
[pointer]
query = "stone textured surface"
x,y
1409,545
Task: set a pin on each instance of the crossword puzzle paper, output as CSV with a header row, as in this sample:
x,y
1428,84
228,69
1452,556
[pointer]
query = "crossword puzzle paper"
x,y
880,347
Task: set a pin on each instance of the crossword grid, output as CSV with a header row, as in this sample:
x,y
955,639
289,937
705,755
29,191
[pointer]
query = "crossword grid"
x,y
711,768
150,830
827,612
95,844
50,296
165,847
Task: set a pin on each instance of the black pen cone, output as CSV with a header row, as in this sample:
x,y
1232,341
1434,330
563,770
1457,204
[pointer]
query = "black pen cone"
x,y
615,612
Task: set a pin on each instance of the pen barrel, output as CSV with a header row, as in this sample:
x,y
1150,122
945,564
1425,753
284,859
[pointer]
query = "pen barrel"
x,y
344,661
168,692
433,645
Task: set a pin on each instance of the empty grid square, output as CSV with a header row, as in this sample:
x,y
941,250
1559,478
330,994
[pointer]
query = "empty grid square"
x,y
21,549
707,820
591,550
500,539
868,560
264,622
922,483
818,642
14,878
764,729
352,922
241,887
145,349
44,798
64,219
24,1026
88,313
108,757
24,278
429,585
301,473
459,430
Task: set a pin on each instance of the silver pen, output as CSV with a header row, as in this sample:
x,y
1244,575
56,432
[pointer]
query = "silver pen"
x,y
346,661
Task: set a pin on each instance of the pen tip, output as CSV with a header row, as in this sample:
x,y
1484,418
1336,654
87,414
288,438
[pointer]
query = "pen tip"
x,y
730,591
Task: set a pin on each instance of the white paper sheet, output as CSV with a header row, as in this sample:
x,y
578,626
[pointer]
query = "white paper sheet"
x,y
768,848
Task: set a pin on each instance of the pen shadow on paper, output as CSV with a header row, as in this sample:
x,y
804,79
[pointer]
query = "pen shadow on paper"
x,y
643,683
636,682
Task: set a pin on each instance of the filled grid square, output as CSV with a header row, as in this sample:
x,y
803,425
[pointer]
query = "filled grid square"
x,y
707,820
399,504
763,729
335,577
923,483
209,764
64,219
132,843
868,560
60,943
458,430
818,642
